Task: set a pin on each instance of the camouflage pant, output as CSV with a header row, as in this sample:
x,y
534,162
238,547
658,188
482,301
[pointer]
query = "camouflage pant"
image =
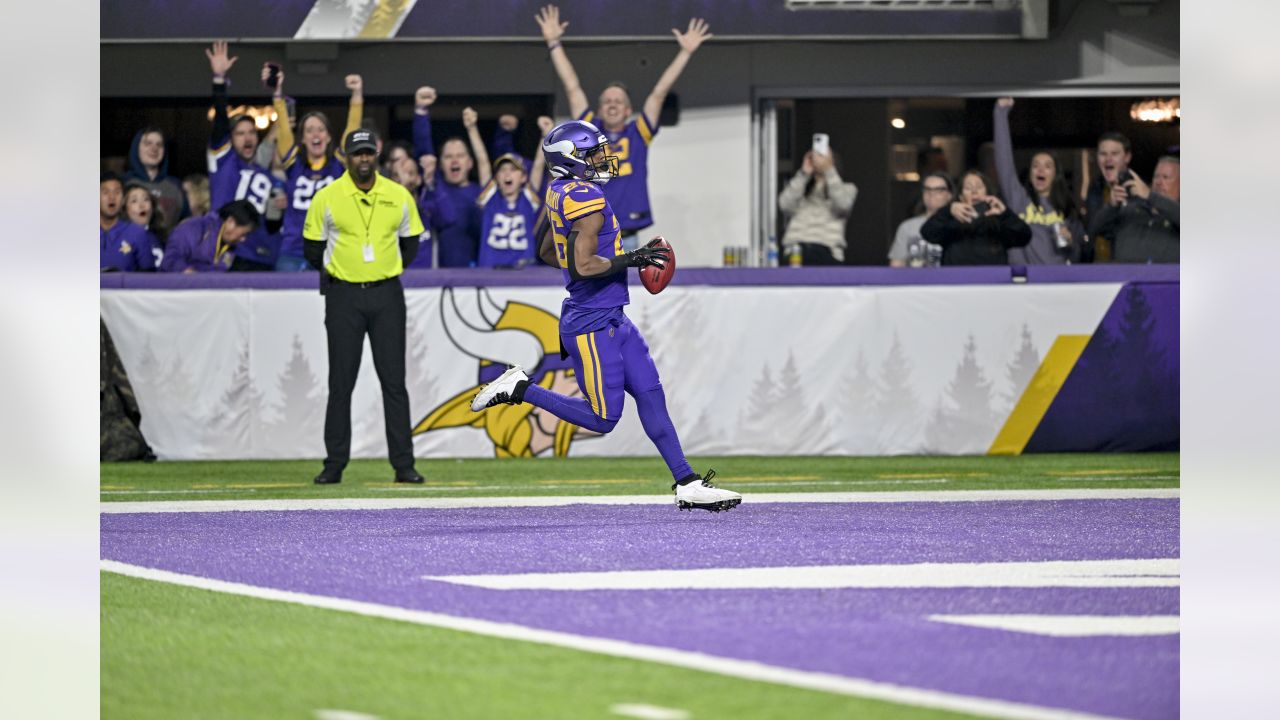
x,y
120,438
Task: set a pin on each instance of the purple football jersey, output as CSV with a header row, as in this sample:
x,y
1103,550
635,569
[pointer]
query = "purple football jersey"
x,y
569,200
231,177
302,181
629,192
507,228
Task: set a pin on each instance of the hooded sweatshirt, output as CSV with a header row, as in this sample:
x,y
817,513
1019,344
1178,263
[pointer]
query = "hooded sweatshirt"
x,y
170,200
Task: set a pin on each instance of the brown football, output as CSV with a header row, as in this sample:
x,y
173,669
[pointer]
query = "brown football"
x,y
654,279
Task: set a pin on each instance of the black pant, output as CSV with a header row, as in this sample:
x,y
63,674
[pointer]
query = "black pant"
x,y
817,254
349,312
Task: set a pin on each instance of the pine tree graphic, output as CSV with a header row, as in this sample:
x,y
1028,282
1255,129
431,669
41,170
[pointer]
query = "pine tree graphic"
x,y
419,380
301,412
897,406
240,409
856,407
757,421
792,413
179,389
963,420
1023,368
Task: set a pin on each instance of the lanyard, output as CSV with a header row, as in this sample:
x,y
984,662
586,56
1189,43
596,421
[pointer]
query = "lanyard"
x,y
373,208
218,248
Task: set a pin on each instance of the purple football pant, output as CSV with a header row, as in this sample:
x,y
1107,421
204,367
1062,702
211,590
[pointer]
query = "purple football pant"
x,y
609,363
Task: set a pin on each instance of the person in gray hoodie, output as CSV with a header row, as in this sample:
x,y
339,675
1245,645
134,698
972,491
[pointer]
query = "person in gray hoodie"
x,y
149,167
1045,203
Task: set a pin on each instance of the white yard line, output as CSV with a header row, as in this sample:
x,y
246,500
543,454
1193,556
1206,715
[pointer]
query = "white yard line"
x,y
327,714
1161,572
1071,625
744,669
749,498
648,712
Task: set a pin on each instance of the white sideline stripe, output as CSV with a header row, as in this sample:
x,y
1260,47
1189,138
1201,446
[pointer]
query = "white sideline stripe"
x,y
648,712
1071,625
559,500
326,714
744,669
1162,572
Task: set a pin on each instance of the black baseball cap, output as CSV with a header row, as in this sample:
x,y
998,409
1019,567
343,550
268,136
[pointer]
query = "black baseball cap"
x,y
360,139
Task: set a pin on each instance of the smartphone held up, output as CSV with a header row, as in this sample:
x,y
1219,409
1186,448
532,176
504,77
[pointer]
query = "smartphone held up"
x,y
821,144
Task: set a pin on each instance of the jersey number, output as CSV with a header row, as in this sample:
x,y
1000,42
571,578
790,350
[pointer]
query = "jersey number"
x,y
306,189
508,233
254,187
622,149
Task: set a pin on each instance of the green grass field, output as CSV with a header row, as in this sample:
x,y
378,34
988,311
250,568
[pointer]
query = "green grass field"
x,y
634,476
174,652
177,652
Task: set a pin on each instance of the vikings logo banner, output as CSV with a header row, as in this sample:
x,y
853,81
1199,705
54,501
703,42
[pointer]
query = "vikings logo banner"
x,y
874,370
494,337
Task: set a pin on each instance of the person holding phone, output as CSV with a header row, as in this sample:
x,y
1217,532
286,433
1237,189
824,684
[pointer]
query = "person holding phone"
x,y
1143,221
1114,153
976,228
817,203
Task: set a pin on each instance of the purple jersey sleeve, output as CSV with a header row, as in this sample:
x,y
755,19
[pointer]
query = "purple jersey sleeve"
x,y
422,142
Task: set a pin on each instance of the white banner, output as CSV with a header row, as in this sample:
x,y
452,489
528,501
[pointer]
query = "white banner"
x,y
223,374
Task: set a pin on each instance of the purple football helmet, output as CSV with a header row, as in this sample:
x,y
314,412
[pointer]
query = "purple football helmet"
x,y
568,150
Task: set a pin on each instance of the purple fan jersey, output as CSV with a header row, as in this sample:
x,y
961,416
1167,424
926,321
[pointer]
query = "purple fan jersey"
x,y
507,228
628,193
590,302
126,247
302,182
231,177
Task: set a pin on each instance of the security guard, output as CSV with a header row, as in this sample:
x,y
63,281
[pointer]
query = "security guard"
x,y
362,231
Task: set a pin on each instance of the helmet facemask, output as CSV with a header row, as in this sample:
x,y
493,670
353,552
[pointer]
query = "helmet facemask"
x,y
602,169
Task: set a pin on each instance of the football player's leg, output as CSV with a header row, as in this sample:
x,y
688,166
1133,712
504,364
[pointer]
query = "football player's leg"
x,y
643,383
598,364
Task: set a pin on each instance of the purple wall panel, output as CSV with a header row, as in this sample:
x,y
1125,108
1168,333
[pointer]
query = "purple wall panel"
x,y
1122,395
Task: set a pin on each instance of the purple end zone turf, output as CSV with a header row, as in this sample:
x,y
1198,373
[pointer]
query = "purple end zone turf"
x,y
882,634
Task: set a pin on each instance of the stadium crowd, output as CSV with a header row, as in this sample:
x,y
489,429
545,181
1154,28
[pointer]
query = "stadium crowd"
x,y
480,203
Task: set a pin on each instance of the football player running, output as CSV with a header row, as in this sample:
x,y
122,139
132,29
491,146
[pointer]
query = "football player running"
x,y
609,354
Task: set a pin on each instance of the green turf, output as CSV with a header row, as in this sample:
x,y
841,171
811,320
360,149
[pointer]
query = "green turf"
x,y
177,652
641,476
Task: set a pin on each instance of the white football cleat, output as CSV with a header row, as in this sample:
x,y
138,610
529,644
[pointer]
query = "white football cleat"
x,y
499,391
703,495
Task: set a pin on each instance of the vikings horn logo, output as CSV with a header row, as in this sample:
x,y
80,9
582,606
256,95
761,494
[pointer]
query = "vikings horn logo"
x,y
496,336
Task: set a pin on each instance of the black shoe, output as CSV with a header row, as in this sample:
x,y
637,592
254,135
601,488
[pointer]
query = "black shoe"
x,y
328,478
409,476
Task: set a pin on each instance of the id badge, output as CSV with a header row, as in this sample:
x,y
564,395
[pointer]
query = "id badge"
x,y
368,253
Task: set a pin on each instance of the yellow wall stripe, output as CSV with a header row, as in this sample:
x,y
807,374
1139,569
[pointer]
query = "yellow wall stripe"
x,y
595,356
589,372
1043,388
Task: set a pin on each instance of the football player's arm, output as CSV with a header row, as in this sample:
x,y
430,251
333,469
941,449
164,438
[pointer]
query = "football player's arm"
x,y
689,41
546,241
584,236
584,264
552,31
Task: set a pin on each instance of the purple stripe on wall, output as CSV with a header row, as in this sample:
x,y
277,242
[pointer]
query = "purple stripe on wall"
x,y
551,277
